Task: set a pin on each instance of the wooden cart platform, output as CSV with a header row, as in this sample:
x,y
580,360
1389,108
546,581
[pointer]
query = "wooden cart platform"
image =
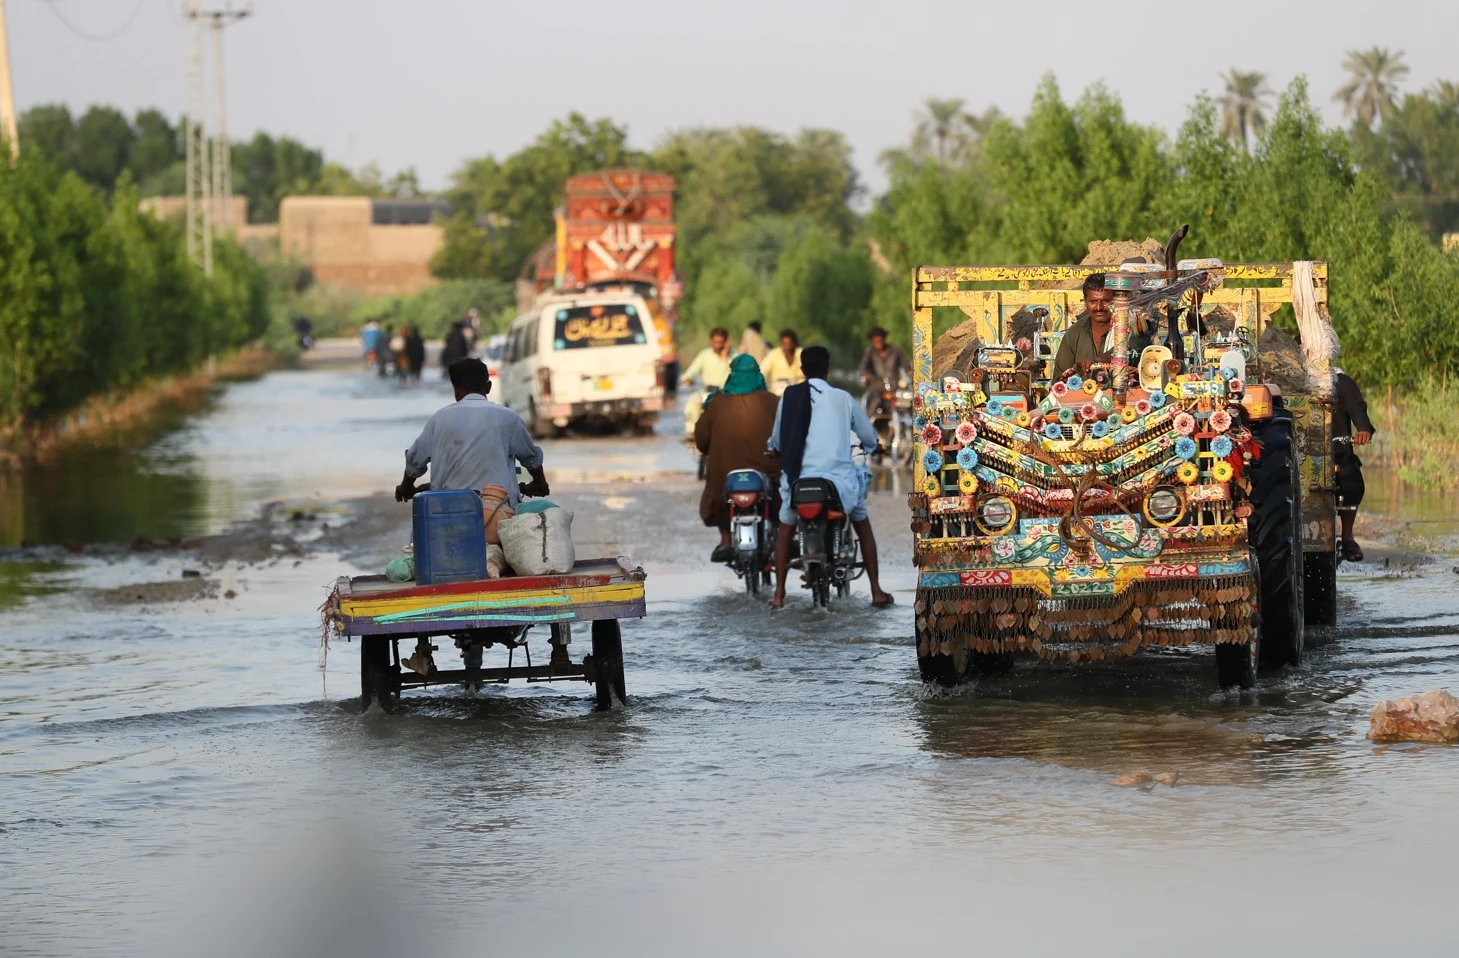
x,y
478,615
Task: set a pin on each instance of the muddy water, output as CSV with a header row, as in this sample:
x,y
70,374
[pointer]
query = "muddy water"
x,y
178,775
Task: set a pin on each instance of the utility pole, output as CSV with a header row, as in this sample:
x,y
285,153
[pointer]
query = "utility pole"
x,y
209,157
7,94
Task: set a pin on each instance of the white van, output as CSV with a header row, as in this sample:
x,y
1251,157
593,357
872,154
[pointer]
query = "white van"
x,y
584,360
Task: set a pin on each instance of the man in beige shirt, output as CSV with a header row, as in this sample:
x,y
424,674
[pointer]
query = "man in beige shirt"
x,y
781,367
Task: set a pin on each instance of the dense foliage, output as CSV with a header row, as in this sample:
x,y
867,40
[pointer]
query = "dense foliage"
x,y
96,295
102,144
766,229
1041,190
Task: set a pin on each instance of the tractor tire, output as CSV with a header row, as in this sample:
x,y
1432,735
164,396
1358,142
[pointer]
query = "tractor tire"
x,y
1320,571
1275,532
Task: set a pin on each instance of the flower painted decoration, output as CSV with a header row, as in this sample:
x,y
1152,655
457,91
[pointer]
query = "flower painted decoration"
x,y
932,461
967,483
1089,412
1024,345
1222,471
1090,387
1052,430
1059,389
931,486
1220,420
1221,446
1010,413
1157,400
1128,414
1186,448
994,407
1022,419
1185,424
1235,386
1099,430
967,459
1074,382
1187,472
932,435
966,433
1142,407
1066,415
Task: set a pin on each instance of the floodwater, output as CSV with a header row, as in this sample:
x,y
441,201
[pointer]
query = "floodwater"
x,y
178,774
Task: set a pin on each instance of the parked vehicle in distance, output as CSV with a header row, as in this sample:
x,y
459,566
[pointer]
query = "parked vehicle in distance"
x,y
586,360
491,354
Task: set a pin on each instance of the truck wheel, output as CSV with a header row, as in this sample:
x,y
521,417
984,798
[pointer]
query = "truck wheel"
x,y
1319,569
608,658
936,669
379,678
1236,664
989,663
1275,531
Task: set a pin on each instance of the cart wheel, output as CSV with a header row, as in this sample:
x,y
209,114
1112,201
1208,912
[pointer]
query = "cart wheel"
x,y
379,678
608,658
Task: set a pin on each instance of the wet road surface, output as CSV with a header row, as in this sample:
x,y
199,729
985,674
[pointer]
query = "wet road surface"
x,y
178,775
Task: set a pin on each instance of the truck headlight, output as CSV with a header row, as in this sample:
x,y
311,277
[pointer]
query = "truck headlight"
x,y
996,515
1164,506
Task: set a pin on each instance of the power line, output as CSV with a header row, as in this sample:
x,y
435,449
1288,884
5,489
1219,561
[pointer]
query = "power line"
x,y
54,7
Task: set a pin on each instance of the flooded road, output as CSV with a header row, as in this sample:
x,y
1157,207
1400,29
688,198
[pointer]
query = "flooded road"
x,y
178,774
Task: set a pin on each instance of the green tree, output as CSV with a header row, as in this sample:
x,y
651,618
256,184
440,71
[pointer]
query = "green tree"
x,y
1243,105
503,209
1413,154
1372,87
157,147
104,140
49,129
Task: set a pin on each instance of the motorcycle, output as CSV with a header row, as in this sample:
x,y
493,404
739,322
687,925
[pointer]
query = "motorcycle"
x,y
693,408
830,553
752,526
892,419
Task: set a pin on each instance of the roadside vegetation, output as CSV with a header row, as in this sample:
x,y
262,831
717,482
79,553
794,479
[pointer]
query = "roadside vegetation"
x,y
778,228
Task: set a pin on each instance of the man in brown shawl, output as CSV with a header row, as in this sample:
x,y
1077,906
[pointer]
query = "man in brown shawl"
x,y
732,432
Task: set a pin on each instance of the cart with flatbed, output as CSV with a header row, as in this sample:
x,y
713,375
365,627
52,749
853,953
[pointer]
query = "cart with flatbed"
x,y
485,613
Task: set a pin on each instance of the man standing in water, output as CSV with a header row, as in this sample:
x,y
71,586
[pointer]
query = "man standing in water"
x,y
473,443
1350,418
813,428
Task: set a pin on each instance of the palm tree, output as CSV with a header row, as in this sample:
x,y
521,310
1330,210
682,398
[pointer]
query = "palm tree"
x,y
1446,94
942,130
1372,89
1243,105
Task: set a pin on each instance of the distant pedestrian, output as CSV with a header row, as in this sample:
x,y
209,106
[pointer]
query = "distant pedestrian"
x,y
384,355
455,346
415,353
1350,418
397,354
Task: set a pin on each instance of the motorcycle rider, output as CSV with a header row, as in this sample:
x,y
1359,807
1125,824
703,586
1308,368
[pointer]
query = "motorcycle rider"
x,y
732,432
782,366
812,433
712,364
882,363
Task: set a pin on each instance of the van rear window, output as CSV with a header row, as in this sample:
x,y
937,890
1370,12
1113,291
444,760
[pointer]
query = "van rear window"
x,y
584,327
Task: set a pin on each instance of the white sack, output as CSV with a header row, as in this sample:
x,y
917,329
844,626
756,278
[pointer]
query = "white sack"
x,y
496,561
1319,339
539,543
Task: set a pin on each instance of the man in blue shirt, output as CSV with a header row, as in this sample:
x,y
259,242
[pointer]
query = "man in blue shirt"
x,y
813,428
474,443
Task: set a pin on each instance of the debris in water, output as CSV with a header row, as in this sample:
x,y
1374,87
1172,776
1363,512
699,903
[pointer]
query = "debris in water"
x,y
191,574
1430,717
1138,777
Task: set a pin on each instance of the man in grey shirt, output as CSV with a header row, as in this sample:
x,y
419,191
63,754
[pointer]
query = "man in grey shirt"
x,y
473,443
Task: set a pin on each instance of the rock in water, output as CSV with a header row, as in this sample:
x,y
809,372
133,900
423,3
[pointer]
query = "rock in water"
x,y
1430,717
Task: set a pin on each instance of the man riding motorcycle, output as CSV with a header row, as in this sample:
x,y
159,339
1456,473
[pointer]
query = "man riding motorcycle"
x,y
882,365
812,433
732,432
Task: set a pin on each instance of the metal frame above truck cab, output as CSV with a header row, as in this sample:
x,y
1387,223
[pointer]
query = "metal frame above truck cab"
x,y
1250,292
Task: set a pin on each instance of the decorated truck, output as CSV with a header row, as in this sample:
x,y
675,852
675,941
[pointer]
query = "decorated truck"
x,y
593,345
1171,498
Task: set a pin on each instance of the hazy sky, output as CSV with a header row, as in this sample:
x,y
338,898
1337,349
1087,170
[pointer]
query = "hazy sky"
x,y
428,83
